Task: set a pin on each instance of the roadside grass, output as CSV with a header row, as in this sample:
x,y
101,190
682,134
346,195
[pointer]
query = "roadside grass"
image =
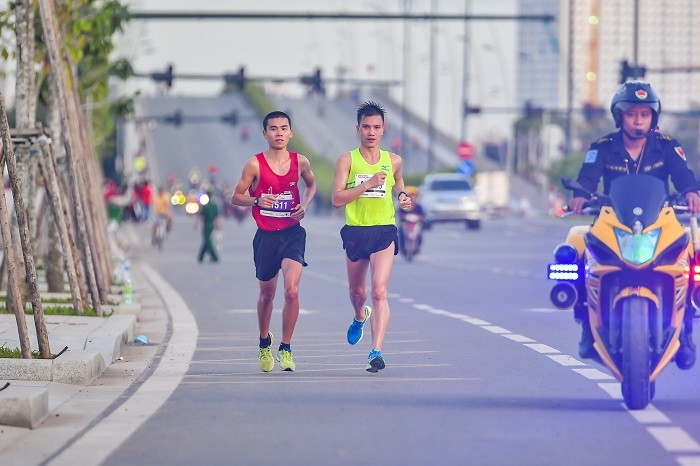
x,y
15,353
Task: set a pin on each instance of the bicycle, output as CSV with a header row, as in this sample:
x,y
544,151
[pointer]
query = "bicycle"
x,y
161,230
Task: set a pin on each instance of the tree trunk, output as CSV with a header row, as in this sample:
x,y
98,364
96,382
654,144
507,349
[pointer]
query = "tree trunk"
x,y
24,89
54,275
55,265
71,135
14,297
92,193
61,215
22,187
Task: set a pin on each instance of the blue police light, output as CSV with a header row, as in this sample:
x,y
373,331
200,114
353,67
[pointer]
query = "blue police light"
x,y
563,272
565,254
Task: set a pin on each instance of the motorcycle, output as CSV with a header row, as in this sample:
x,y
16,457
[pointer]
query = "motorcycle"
x,y
629,274
411,234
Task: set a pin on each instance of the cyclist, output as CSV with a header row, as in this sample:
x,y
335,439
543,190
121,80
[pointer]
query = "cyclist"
x,y
162,212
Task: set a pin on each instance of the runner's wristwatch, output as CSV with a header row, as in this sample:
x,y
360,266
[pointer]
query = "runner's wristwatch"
x,y
256,201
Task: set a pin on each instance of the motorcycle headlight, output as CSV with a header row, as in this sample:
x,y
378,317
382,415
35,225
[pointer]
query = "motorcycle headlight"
x,y
638,248
565,254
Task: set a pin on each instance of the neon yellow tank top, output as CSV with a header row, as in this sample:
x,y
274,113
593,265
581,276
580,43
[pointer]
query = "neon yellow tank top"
x,y
374,206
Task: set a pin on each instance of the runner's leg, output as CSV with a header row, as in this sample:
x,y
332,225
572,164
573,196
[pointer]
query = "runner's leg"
x,y
265,301
381,264
291,273
357,281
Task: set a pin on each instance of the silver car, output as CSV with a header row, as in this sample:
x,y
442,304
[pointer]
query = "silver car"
x,y
449,197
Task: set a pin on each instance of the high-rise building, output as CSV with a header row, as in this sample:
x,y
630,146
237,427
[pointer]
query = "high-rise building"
x,y
538,56
662,36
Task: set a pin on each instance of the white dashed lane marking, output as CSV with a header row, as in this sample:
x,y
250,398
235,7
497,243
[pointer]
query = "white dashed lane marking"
x,y
672,438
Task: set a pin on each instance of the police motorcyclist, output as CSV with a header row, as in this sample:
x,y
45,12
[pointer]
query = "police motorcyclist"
x,y
637,147
416,209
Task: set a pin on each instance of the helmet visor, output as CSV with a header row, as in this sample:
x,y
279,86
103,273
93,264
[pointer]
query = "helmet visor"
x,y
624,106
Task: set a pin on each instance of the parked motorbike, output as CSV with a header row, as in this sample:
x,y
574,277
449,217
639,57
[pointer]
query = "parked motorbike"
x,y
412,230
632,275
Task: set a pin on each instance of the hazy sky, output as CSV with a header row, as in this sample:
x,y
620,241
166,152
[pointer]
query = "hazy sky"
x,y
364,49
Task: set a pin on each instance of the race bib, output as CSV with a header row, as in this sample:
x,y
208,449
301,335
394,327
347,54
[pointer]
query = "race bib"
x,y
281,208
373,192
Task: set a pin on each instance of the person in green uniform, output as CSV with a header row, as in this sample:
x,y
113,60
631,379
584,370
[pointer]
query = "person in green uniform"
x,y
210,219
366,181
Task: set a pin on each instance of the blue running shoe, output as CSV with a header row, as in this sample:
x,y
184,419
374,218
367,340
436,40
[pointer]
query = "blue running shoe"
x,y
355,329
375,361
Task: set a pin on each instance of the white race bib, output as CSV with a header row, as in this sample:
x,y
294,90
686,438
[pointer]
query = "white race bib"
x,y
372,192
281,208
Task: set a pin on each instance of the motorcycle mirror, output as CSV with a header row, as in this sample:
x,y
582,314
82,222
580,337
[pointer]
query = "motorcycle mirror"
x,y
572,184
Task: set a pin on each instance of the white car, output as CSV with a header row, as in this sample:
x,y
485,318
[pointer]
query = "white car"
x,y
449,197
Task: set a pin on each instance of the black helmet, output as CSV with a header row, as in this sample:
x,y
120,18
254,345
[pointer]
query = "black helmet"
x,y
635,93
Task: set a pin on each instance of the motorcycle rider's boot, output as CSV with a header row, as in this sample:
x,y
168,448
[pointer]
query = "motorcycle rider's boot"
x,y
685,357
585,345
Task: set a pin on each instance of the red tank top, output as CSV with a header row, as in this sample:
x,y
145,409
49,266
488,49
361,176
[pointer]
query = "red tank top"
x,y
286,186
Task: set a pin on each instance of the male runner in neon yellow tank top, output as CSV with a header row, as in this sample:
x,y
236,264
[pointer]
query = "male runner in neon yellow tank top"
x,y
365,182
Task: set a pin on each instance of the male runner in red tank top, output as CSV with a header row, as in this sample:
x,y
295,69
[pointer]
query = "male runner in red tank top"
x,y
270,184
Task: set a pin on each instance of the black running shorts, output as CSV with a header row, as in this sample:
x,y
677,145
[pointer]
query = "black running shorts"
x,y
270,247
361,242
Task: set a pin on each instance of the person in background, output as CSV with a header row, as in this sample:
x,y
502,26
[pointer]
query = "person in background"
x,y
146,195
210,219
415,208
162,212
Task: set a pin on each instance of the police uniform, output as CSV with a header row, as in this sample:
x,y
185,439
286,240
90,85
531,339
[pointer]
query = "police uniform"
x,y
662,156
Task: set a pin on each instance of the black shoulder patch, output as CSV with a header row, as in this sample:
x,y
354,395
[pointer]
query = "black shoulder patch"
x,y
603,139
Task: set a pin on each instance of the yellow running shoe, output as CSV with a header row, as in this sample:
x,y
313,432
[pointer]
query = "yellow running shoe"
x,y
286,361
267,362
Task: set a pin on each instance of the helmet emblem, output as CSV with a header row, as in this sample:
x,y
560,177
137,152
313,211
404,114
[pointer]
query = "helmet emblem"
x,y
637,211
641,94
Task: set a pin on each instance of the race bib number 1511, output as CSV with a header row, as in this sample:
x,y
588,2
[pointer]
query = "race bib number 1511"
x,y
281,208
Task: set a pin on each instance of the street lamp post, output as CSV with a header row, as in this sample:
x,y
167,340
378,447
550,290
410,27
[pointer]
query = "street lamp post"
x,y
405,71
431,91
465,69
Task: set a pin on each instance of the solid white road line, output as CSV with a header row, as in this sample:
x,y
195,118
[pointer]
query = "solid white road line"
x,y
112,431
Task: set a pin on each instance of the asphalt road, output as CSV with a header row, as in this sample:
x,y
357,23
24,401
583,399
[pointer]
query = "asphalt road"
x,y
480,368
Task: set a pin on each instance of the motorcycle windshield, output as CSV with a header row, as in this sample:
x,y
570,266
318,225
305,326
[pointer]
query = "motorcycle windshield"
x,y
637,197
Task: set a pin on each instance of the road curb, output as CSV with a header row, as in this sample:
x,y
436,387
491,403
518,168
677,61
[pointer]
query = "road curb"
x,y
87,357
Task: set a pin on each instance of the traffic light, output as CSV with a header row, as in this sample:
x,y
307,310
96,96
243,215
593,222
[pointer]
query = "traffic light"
x,y
532,111
174,119
238,79
593,112
315,82
468,110
231,118
628,71
166,77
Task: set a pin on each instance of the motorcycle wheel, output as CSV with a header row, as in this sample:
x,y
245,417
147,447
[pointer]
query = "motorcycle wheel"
x,y
636,387
410,248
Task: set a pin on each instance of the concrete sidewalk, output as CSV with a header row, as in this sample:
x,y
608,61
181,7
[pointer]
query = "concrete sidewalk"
x,y
84,347
51,403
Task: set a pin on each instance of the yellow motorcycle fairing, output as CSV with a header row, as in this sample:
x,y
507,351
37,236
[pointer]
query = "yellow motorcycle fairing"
x,y
603,229
607,221
576,238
